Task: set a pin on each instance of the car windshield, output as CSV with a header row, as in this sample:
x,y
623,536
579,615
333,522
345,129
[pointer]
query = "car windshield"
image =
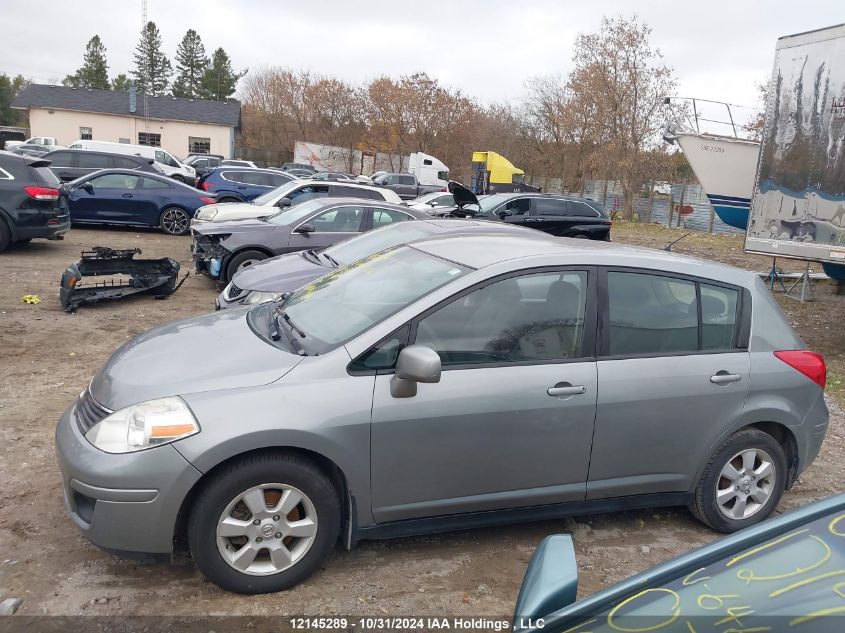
x,y
339,306
489,203
289,215
379,240
799,573
274,194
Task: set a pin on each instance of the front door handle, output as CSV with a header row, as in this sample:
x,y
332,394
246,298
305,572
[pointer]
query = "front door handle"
x,y
126,195
724,378
566,389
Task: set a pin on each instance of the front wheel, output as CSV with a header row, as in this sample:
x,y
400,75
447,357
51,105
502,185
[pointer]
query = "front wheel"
x,y
243,260
178,178
175,221
742,483
264,523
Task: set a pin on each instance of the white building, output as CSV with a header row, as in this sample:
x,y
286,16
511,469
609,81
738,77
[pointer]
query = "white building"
x,y
181,126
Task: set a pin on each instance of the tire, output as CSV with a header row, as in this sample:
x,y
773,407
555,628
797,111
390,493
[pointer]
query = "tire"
x,y
178,178
242,260
731,515
5,235
222,498
229,199
175,221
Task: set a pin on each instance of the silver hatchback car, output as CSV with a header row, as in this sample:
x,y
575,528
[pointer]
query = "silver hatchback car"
x,y
454,382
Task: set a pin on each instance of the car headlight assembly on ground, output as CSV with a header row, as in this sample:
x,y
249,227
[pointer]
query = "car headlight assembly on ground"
x,y
255,297
144,425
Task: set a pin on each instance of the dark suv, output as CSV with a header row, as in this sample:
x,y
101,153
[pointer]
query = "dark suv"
x,y
241,184
203,163
557,214
32,202
70,164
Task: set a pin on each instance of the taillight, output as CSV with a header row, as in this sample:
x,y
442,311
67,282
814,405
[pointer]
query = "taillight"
x,y
42,193
809,363
608,222
204,185
442,189
208,200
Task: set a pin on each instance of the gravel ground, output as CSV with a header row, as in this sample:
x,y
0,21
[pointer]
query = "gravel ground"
x,y
47,357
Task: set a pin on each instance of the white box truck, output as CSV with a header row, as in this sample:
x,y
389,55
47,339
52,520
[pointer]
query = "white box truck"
x,y
169,164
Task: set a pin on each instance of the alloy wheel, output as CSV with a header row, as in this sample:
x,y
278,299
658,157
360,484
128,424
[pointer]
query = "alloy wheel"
x,y
745,484
266,529
175,221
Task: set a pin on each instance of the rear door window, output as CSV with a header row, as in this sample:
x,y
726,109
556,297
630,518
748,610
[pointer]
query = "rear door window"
x,y
339,220
151,183
44,176
308,192
93,161
580,209
383,217
718,317
548,206
124,162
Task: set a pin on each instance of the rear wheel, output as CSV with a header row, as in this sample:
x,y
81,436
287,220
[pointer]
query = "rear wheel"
x,y
264,523
742,483
243,260
175,221
178,178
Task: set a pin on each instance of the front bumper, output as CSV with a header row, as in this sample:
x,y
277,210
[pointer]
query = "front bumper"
x,y
209,259
124,503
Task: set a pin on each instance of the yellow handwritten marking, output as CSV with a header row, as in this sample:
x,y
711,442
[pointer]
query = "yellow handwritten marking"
x,y
748,575
806,581
751,552
689,625
717,600
734,614
753,629
688,579
837,589
816,614
578,626
676,609
832,525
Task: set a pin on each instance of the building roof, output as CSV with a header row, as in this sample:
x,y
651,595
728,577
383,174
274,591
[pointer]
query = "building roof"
x,y
117,102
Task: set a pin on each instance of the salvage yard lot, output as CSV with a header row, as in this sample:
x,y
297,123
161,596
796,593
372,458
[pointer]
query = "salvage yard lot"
x,y
47,357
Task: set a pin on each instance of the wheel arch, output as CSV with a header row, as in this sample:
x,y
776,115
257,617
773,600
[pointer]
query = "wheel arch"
x,y
326,465
782,434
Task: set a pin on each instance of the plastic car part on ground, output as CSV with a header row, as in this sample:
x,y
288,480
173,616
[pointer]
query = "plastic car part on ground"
x,y
146,276
31,299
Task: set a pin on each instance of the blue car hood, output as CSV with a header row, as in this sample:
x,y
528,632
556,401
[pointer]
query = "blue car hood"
x,y
280,274
202,353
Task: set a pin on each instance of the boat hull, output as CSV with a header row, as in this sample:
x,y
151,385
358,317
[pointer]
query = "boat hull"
x,y
726,168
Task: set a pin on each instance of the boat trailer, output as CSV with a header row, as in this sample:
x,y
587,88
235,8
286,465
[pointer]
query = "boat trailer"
x,y
145,276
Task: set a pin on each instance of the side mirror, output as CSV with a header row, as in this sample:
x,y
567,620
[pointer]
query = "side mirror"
x,y
284,202
305,229
88,187
504,214
416,363
550,582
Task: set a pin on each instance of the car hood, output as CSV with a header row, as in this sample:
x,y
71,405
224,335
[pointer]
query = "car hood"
x,y
462,195
229,226
280,274
235,211
203,353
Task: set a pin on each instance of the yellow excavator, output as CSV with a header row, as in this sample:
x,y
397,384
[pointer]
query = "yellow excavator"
x,y
493,173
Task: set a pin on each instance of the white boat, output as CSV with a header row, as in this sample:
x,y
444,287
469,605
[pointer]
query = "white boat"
x,y
726,167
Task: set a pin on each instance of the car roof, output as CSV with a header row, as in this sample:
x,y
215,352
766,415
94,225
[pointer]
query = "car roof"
x,y
96,152
27,159
477,251
368,202
544,194
322,183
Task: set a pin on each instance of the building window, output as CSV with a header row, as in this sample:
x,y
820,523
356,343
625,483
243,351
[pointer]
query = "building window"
x,y
148,138
199,145
85,134
125,141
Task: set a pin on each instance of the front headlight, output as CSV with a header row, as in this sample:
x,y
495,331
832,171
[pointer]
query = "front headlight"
x,y
259,297
144,425
206,214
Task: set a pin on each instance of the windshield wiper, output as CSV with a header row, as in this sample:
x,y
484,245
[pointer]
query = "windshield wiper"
x,y
276,335
312,255
285,316
331,259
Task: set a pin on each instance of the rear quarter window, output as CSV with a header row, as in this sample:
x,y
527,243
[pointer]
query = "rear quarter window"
x,y
45,176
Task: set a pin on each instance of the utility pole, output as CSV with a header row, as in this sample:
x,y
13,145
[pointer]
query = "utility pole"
x,y
149,79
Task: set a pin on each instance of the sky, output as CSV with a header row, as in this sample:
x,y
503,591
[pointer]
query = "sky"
x,y
718,49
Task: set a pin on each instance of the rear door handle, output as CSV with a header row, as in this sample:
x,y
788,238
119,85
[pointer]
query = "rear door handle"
x,y
566,389
724,378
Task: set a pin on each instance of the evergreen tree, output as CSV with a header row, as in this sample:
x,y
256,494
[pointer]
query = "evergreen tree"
x,y
220,80
9,88
191,64
121,82
152,68
94,72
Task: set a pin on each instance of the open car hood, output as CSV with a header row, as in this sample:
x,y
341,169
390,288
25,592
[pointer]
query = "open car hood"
x,y
462,194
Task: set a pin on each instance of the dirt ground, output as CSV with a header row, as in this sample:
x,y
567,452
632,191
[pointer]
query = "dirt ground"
x,y
47,357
